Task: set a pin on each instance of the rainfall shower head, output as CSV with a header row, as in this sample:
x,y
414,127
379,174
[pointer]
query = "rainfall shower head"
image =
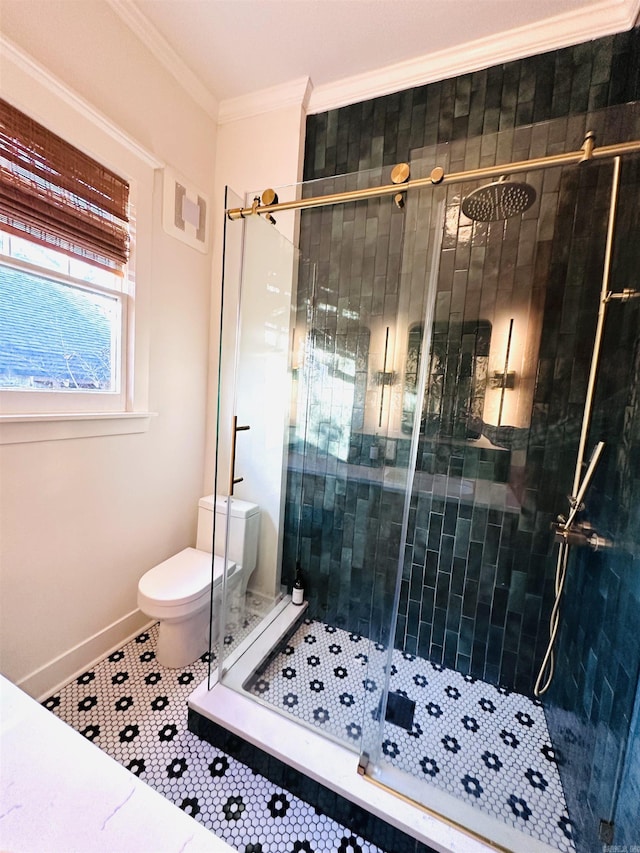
x,y
499,200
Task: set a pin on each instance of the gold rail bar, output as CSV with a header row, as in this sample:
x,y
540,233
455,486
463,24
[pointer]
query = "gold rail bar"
x,y
436,178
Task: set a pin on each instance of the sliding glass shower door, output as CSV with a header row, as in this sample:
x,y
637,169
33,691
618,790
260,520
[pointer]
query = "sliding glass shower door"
x,y
500,382
331,469
351,464
447,668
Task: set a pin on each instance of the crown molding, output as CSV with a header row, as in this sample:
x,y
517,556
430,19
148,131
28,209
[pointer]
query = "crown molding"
x,y
295,93
11,53
600,19
140,25
563,30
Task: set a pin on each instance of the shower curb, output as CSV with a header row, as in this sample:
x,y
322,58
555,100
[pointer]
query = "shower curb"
x,y
326,802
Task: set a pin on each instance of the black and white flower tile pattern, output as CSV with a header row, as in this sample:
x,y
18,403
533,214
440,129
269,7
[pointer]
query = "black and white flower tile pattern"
x,y
136,711
485,745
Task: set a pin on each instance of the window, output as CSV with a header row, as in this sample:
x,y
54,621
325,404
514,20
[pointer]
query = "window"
x,y
60,333
65,285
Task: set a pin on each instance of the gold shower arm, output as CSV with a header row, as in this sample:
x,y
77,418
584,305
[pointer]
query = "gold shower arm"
x,y
437,176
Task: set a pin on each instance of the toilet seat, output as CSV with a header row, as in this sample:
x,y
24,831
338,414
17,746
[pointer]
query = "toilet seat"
x,y
180,585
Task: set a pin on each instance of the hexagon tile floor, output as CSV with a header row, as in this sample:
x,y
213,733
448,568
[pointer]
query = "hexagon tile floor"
x,y
483,744
136,711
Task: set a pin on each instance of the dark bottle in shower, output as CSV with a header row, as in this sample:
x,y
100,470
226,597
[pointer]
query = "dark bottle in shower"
x,y
297,593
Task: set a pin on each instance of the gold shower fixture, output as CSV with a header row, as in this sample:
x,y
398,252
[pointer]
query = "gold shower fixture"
x,y
587,147
400,175
268,198
588,152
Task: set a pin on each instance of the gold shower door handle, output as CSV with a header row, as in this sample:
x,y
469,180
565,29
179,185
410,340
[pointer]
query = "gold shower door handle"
x,y
233,479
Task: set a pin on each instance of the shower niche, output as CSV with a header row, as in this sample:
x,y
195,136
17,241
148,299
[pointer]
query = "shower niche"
x,y
453,399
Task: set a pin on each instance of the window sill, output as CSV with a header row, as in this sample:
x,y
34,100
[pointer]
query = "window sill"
x,y
22,429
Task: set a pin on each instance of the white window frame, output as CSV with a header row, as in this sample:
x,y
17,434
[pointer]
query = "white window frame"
x,y
54,415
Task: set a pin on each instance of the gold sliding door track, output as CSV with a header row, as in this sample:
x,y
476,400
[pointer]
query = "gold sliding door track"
x,y
269,204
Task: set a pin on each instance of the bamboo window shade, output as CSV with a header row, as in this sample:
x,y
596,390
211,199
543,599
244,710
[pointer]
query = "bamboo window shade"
x,y
55,195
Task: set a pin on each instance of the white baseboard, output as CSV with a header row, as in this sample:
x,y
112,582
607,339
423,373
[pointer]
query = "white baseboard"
x,y
47,679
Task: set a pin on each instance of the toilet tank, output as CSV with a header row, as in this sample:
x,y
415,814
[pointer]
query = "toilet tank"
x,y
243,530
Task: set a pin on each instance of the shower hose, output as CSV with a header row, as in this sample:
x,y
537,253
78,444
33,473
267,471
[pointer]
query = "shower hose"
x,y
546,669
548,664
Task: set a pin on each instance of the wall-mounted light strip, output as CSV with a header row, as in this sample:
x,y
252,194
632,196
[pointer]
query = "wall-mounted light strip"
x,y
384,377
504,384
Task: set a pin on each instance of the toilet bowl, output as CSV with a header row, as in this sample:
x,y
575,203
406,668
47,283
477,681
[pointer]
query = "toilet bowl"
x,y
177,592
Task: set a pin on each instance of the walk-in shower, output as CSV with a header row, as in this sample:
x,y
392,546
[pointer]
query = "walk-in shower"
x,y
415,378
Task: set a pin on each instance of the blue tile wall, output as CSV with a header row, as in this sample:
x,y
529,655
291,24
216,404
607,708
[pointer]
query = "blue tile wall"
x,y
477,575
591,702
341,535
626,818
383,131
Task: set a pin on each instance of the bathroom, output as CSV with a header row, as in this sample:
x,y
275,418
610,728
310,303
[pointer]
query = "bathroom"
x,y
82,493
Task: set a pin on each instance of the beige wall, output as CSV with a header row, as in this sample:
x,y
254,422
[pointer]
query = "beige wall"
x,y
83,519
253,153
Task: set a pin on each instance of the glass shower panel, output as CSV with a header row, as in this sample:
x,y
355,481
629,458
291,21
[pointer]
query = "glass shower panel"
x,y
461,351
230,287
415,310
466,420
347,458
342,450
260,272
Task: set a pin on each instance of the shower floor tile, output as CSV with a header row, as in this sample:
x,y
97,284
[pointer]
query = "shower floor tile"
x,y
487,746
136,711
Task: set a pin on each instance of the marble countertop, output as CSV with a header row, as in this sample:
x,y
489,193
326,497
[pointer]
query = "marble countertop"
x,y
60,793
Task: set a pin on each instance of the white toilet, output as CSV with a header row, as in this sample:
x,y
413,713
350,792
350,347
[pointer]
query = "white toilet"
x,y
177,592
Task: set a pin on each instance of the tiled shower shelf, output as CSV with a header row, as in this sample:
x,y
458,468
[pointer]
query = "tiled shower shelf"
x,y
483,493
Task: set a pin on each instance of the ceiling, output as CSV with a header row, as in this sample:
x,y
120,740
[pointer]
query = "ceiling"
x,y
232,48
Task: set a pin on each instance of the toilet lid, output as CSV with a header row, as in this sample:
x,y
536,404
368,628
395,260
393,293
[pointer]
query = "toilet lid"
x,y
183,577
